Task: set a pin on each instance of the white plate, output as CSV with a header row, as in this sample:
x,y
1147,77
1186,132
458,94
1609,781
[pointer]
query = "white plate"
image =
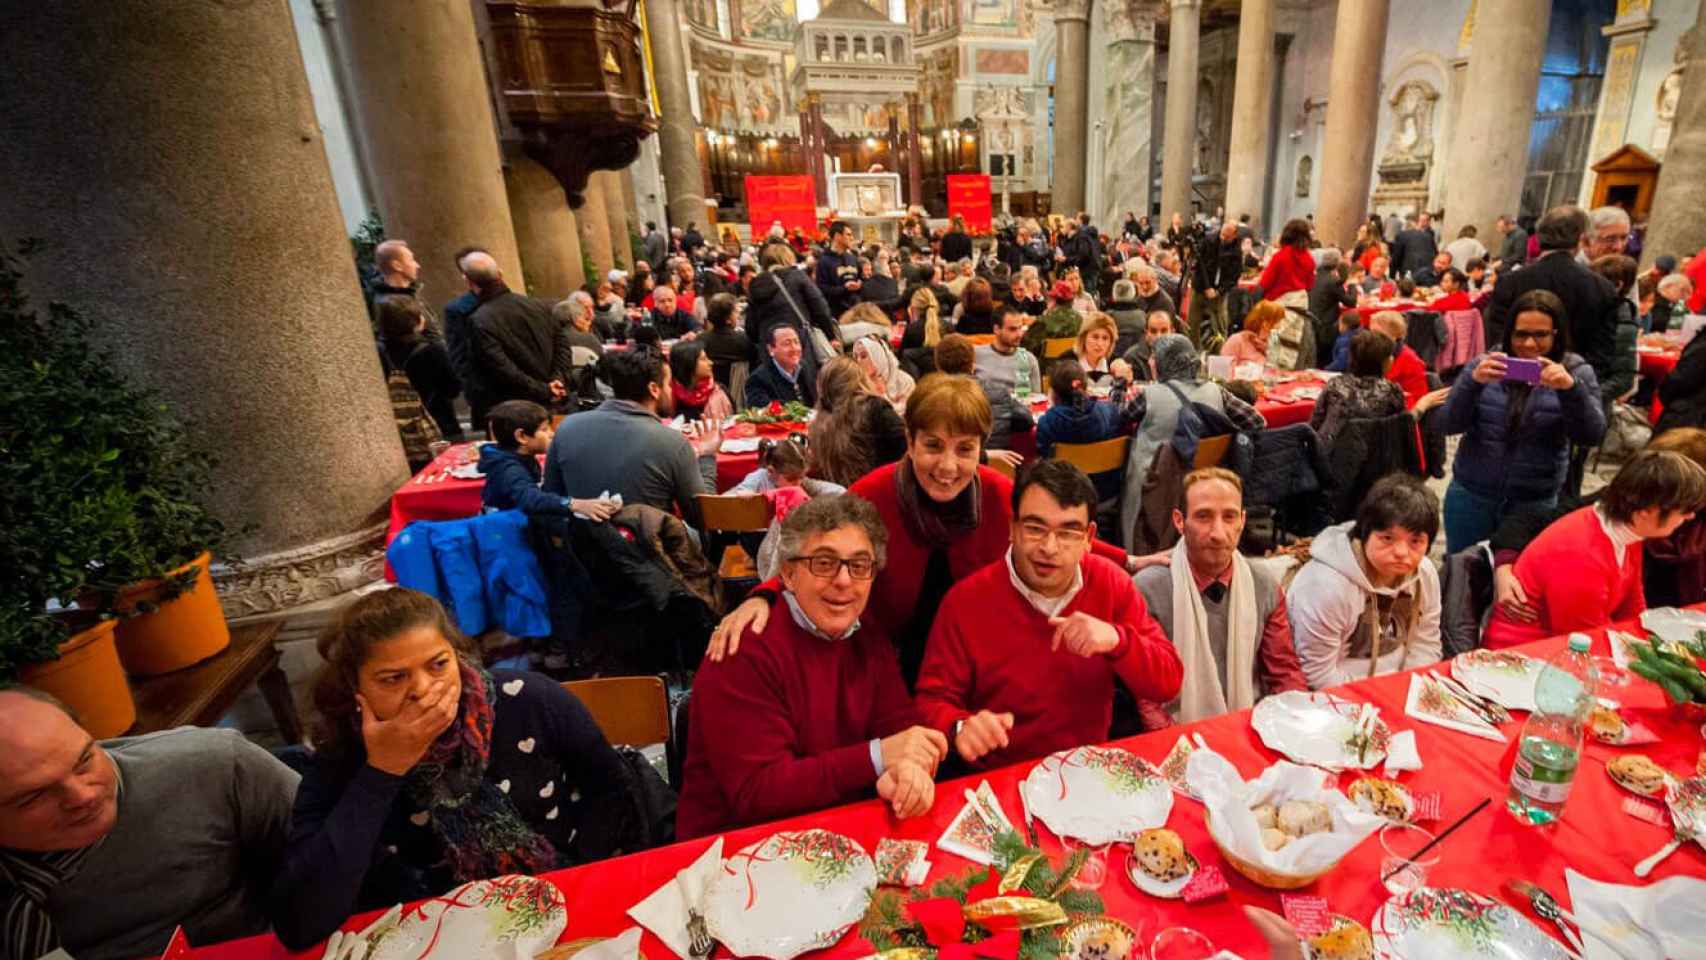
x,y
508,916
790,893
1504,676
1099,795
1442,924
1166,890
1314,728
1673,625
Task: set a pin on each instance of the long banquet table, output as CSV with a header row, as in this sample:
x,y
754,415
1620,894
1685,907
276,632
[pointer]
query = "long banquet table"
x,y
1595,836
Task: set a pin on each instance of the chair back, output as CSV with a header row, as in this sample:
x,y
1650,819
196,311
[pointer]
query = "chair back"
x,y
738,372
582,356
1102,456
741,513
981,339
1055,346
631,711
1211,451
1002,467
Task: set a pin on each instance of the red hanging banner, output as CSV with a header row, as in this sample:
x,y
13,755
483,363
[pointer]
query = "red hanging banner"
x,y
791,199
968,196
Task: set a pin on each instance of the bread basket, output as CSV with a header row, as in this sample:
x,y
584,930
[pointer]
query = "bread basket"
x,y
1261,875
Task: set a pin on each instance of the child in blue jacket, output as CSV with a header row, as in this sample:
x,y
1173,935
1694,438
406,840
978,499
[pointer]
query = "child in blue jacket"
x,y
521,433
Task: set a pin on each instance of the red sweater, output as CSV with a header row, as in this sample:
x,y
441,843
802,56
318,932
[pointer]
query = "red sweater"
x,y
1457,300
989,650
1410,374
1288,269
1571,576
784,727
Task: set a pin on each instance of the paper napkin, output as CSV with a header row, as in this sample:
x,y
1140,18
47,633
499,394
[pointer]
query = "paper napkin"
x,y
1401,753
1430,702
665,912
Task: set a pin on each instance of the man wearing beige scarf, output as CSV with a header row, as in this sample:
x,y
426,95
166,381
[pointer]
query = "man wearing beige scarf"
x,y
1225,616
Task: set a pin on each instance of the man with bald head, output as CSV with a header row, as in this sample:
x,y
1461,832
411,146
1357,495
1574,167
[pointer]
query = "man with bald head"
x,y
107,847
1150,297
520,352
399,275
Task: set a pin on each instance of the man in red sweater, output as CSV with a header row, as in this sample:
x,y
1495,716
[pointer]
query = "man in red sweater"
x,y
1022,658
813,712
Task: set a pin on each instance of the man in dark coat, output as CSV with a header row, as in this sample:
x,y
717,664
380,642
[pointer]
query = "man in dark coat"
x,y
838,270
1513,250
656,247
1415,248
459,332
784,376
956,243
1328,298
1219,263
1588,297
520,351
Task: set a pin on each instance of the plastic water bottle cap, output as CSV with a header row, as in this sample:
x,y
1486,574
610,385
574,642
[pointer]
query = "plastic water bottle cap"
x,y
1579,642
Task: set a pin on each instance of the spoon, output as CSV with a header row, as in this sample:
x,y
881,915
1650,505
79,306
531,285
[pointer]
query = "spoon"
x,y
1646,866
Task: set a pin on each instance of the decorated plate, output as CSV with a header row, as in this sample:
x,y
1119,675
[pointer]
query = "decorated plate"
x,y
1672,625
1165,889
790,893
1429,923
1098,938
508,916
1500,675
1318,729
1099,795
1687,802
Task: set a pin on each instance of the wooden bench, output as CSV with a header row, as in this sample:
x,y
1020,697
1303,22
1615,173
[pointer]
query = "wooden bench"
x,y
202,695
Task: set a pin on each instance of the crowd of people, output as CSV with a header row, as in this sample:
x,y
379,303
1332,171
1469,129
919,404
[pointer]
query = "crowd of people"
x,y
961,606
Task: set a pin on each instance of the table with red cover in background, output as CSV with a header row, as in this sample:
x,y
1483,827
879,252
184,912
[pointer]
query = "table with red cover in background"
x,y
1594,836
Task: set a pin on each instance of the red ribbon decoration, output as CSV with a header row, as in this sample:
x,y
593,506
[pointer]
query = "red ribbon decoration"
x,y
944,923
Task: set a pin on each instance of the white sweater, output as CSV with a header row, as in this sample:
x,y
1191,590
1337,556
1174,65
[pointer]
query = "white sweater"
x,y
1326,600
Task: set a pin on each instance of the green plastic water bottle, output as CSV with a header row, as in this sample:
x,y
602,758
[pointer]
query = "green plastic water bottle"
x,y
1550,748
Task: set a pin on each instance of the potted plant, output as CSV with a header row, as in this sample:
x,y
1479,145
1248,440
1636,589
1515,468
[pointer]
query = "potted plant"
x,y
63,506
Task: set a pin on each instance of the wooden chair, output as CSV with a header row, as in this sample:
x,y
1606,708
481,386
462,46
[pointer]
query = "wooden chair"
x,y
738,372
1002,467
735,514
1211,451
1095,457
631,711
1055,346
981,339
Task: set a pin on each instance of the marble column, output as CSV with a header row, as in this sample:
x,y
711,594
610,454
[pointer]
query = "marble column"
x,y
593,221
1179,142
426,114
1353,103
683,178
1071,103
1130,102
820,146
178,183
545,230
1676,226
1489,151
616,218
914,150
1252,113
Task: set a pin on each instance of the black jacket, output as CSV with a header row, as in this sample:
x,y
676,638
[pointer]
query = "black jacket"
x,y
1514,249
1218,266
766,383
882,291
833,272
1082,251
427,365
459,336
1683,393
671,326
1327,299
1414,249
767,306
1589,306
519,348
956,246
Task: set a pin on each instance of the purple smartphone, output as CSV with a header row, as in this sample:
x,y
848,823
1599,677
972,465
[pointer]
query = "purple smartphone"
x,y
1523,371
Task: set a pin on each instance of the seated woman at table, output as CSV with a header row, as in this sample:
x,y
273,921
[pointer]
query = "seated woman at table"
x,y
1683,391
924,329
976,312
521,432
883,369
1408,370
760,743
1452,294
946,516
856,430
1095,347
1585,570
1363,393
725,344
1250,345
430,772
1367,602
693,383
1516,434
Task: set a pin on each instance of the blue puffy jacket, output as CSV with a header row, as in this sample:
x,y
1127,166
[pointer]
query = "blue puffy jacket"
x,y
482,569
1531,465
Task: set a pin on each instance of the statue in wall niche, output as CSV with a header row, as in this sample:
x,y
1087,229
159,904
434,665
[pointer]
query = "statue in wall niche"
x,y
1305,172
1411,140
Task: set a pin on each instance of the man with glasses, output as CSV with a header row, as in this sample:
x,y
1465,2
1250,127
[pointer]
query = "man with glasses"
x,y
813,712
1022,658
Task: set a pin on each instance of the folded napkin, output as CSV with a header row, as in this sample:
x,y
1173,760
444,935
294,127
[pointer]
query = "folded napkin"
x,y
623,946
1431,702
1656,921
664,913
1401,753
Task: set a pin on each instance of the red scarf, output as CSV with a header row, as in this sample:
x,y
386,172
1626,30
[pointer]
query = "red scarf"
x,y
697,397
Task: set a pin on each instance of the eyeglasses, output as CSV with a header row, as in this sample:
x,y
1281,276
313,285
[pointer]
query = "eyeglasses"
x,y
825,566
1531,335
1039,532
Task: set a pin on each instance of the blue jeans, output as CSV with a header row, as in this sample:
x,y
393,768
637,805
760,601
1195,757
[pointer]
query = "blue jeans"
x,y
1471,518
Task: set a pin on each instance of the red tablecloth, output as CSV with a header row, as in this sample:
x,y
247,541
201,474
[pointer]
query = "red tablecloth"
x,y
1594,836
1656,367
1277,408
1364,313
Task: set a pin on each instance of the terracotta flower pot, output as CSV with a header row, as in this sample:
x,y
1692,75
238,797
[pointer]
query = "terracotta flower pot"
x,y
185,630
87,678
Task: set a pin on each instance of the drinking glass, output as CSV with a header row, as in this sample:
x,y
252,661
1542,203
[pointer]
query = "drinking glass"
x,y
1094,873
1400,869
1181,943
1610,674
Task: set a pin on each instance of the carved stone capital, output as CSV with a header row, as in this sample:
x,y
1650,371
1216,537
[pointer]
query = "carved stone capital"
x,y
1128,20
1072,10
303,575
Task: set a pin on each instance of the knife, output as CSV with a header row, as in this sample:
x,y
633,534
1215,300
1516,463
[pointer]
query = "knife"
x,y
1485,708
1025,805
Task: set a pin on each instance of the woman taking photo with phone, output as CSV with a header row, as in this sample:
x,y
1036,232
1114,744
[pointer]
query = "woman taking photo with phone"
x,y
1518,409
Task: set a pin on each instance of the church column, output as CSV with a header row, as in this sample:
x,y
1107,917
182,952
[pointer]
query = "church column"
x,y
1677,227
616,218
1489,153
914,151
1071,103
545,230
1130,80
593,221
178,183
1179,143
1252,104
820,147
683,179
1353,103
426,114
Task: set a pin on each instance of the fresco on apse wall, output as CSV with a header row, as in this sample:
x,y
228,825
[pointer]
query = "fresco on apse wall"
x,y
761,105
1002,62
772,20
940,71
703,13
931,16
717,105
995,13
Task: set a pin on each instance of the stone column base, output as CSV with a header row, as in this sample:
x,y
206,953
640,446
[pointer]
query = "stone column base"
x,y
277,582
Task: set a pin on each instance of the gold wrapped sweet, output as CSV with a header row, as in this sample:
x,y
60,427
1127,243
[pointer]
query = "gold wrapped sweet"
x,y
1015,913
906,953
1017,871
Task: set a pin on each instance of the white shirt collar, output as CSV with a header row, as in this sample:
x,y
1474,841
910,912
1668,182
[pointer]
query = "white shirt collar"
x,y
1047,606
1621,535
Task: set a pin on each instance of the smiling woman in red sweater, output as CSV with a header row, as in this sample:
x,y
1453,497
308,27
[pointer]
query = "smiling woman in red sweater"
x,y
1292,267
947,517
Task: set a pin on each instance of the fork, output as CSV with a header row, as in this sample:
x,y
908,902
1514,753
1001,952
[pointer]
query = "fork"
x,y
699,942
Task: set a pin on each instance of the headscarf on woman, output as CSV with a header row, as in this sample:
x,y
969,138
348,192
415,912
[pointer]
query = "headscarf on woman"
x,y
896,383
